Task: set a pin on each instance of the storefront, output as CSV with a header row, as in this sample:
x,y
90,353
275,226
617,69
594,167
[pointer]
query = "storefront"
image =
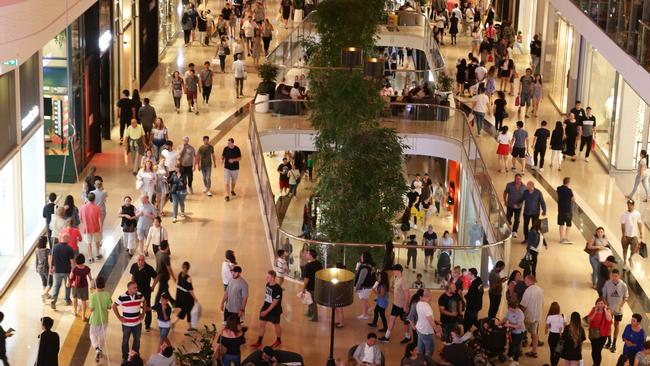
x,y
22,165
125,54
169,15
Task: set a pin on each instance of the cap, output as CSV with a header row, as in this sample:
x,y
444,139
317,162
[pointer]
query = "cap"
x,y
611,259
236,269
630,201
398,267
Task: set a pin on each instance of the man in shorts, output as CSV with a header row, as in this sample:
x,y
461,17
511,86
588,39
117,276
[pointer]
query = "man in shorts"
x,y
531,304
206,161
230,158
526,91
565,200
271,310
90,216
236,296
519,145
631,230
283,170
615,294
400,306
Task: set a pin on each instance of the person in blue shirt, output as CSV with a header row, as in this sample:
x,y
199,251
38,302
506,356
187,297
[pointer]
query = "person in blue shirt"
x,y
533,203
633,337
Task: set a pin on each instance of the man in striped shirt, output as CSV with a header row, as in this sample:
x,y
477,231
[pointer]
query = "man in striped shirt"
x,y
133,310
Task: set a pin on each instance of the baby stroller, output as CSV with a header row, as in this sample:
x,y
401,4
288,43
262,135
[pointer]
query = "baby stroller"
x,y
493,338
443,268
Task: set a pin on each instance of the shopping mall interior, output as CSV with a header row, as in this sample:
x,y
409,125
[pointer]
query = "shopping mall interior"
x,y
342,171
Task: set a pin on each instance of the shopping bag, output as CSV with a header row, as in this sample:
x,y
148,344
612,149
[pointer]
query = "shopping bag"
x,y
196,314
517,101
643,250
215,62
305,297
593,145
470,119
490,58
603,254
529,160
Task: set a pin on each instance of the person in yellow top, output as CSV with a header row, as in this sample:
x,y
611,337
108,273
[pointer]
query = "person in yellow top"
x,y
135,143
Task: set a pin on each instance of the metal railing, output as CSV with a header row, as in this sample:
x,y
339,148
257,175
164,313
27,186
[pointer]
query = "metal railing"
x,y
290,116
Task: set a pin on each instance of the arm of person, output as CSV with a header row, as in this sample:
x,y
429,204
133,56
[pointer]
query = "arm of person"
x,y
148,240
171,272
214,160
592,314
305,281
116,311
623,230
243,306
273,305
591,244
542,203
640,225
49,262
223,300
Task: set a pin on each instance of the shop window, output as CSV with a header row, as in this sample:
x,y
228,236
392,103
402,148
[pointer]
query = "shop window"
x,y
56,106
8,113
30,94
9,252
32,157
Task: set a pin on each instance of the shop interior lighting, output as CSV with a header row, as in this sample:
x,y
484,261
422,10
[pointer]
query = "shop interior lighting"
x,y
105,40
29,118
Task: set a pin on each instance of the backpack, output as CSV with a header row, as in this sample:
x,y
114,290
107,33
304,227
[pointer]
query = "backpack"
x,y
185,18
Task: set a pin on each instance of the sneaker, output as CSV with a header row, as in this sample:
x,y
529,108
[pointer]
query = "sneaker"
x,y
191,190
514,234
612,349
541,169
182,214
383,339
147,329
227,198
608,345
531,354
205,190
586,160
372,325
98,354
90,260
99,256
68,302
174,220
209,194
363,316
405,340
53,305
233,193
276,344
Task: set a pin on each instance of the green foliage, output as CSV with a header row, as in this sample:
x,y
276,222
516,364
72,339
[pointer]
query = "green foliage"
x,y
445,82
268,72
202,355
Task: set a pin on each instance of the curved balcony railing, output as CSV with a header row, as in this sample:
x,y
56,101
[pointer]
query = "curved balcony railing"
x,y
410,120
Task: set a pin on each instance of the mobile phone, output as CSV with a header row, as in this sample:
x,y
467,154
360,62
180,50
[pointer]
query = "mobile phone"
x,y
11,330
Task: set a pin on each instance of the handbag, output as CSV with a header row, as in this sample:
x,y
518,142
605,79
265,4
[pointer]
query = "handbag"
x,y
559,347
517,101
529,160
215,61
226,50
544,222
524,262
643,250
594,333
591,252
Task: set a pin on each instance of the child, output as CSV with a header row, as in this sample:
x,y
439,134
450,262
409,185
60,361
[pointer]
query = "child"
x,y
381,288
418,284
79,279
281,267
464,277
164,311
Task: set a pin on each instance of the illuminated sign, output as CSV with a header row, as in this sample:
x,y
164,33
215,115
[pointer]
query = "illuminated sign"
x,y
12,62
105,41
30,118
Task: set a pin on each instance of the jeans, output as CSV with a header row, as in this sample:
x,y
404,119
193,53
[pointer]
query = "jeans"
x,y
586,141
239,86
267,42
127,332
644,183
46,279
222,62
58,278
206,93
541,153
595,266
514,350
189,173
229,360
164,332
478,116
147,314
178,198
498,122
597,345
553,339
425,344
177,102
527,222
517,213
533,264
207,176
495,301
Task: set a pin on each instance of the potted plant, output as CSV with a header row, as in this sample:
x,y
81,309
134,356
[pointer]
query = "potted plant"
x,y
444,88
202,356
268,72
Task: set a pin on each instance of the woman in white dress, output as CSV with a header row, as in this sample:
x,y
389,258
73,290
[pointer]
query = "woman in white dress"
x,y
146,180
161,184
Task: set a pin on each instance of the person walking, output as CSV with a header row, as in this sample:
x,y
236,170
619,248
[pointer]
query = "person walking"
x,y
48,210
163,315
381,304
92,223
206,160
227,266
128,224
80,277
178,189
573,336
557,145
100,303
235,296
519,147
230,158
496,288
450,306
48,344
185,296
535,239
309,282
267,35
526,91
565,199
534,203
429,241
239,71
631,231
399,309
554,328
512,196
43,267
143,274
135,144
164,272
3,341
223,50
531,304
147,116
57,223
176,87
600,323
514,321
133,308
61,261
537,92
587,132
571,136
159,136
615,294
188,161
271,311
155,236
426,326
125,112
596,243
364,281
100,200
473,300
642,175
281,266
480,107
503,139
145,213
205,82
540,141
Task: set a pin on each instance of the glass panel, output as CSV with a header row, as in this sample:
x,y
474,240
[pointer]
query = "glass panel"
x,y
563,49
9,245
32,157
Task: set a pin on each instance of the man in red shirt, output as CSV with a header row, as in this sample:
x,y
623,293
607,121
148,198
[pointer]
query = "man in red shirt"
x,y
90,216
74,236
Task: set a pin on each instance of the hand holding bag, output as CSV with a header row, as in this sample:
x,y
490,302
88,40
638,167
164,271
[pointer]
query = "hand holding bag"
x,y
517,101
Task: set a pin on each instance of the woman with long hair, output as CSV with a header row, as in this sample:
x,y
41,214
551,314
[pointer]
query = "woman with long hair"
x,y
491,83
161,185
176,87
412,314
595,244
557,145
461,76
641,176
381,302
573,337
178,189
554,327
185,297
71,211
146,180
228,343
267,35
537,93
129,222
136,102
503,139
600,325
533,245
364,281
480,108
227,265
43,266
159,136
57,223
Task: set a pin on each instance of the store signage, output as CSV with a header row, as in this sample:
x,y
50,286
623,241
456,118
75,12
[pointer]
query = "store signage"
x,y
12,62
105,40
30,118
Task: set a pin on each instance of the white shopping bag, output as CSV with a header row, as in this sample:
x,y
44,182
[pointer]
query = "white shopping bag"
x,y
529,160
195,313
305,297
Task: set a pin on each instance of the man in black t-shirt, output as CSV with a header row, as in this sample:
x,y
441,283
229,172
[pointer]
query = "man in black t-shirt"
x,y
540,141
564,209
164,271
284,169
450,305
271,310
473,299
142,274
230,158
578,112
125,112
61,262
309,281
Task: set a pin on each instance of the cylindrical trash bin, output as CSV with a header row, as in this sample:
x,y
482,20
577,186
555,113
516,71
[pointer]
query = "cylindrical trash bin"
x,y
262,107
297,16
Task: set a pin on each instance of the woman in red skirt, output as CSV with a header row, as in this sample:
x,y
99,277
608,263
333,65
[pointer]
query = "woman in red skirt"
x,y
504,148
